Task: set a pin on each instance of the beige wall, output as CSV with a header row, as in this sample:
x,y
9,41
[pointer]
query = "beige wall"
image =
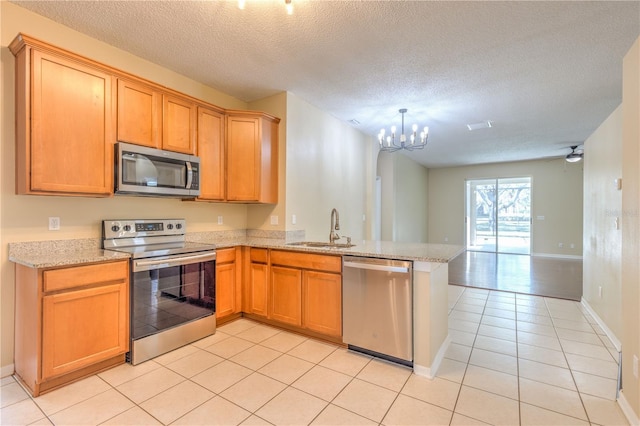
x,y
556,195
404,198
631,224
329,164
602,242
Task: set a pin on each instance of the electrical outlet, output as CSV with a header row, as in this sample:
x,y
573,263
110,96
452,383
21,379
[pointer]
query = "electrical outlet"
x,y
274,220
364,218
294,219
220,220
600,291
54,224
560,245
573,245
446,239
635,366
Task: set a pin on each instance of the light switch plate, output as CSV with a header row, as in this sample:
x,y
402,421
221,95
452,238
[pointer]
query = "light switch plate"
x,y
274,220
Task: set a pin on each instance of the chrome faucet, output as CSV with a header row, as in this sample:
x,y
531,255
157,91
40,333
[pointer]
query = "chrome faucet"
x,y
335,226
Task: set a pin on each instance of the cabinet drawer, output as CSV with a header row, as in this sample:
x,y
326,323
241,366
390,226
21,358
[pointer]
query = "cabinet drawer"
x,y
318,262
259,255
225,255
60,279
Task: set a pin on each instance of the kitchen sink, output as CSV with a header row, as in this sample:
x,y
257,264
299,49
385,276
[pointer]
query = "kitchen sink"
x,y
320,244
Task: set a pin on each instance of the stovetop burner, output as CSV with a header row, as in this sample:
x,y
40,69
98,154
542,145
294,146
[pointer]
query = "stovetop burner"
x,y
149,237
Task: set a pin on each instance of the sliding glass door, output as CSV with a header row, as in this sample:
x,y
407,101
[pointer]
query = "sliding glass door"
x,y
498,215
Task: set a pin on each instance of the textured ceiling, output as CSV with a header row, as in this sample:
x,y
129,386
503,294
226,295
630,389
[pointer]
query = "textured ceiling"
x,y
546,73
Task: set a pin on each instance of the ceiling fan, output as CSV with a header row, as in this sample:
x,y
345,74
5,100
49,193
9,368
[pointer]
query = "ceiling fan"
x,y
574,156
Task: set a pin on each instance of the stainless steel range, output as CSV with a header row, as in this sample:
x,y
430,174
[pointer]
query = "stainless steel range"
x,y
172,289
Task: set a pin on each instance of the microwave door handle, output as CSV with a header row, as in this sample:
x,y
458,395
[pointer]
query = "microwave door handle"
x,y
189,175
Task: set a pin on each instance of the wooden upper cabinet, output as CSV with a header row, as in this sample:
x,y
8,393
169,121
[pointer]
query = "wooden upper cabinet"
x,y
252,157
178,124
64,123
149,117
139,114
210,149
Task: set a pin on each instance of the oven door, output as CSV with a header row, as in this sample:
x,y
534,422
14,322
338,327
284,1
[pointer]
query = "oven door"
x,y
170,291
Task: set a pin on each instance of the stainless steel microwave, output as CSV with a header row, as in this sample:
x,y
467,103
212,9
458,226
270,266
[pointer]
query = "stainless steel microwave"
x,y
141,170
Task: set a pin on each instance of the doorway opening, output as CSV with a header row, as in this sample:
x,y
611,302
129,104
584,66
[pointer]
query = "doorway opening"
x,y
498,215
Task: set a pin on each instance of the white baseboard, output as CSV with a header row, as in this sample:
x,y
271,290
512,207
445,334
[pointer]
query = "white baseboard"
x,y
430,372
628,412
557,256
610,334
7,370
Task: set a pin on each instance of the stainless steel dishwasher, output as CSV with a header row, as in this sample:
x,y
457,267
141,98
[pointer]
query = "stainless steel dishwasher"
x,y
377,314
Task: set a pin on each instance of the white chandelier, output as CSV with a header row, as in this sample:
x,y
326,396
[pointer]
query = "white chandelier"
x,y
388,143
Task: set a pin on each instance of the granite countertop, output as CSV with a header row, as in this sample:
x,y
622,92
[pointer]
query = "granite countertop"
x,y
437,253
50,254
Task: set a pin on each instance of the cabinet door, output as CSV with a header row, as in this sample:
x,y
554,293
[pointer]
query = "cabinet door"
x,y
259,289
243,158
211,152
322,302
139,114
178,125
286,295
82,327
225,289
252,157
71,144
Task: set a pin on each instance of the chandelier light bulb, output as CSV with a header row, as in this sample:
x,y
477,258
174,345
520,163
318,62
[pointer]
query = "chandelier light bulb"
x,y
241,4
392,144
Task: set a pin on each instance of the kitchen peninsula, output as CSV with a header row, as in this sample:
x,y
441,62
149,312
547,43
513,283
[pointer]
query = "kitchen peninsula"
x,y
430,277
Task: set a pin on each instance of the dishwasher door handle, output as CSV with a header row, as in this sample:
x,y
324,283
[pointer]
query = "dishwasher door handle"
x,y
374,267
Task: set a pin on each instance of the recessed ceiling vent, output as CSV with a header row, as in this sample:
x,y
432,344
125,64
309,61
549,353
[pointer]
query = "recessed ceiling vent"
x,y
481,125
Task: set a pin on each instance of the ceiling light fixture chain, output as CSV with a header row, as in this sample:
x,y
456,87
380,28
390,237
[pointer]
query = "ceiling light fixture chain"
x,y
389,143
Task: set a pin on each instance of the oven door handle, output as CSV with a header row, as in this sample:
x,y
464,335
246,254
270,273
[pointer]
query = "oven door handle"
x,y
167,262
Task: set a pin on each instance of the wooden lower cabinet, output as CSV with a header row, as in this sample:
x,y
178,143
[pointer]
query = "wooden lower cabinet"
x,y
306,291
70,322
228,292
322,306
286,295
257,297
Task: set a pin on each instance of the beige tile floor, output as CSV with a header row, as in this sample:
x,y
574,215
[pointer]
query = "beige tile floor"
x,y
515,359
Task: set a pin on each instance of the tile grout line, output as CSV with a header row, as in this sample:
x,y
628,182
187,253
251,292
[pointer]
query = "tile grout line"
x,y
455,405
564,354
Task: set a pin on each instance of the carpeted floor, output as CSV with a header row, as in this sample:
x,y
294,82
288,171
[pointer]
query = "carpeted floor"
x,y
541,276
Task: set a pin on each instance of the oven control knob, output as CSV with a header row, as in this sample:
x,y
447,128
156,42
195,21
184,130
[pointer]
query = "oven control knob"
x,y
169,226
127,228
178,226
115,228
